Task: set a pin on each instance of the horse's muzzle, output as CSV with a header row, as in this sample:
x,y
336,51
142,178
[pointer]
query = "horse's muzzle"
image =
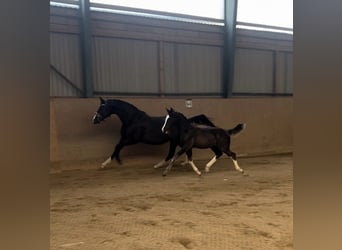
x,y
96,119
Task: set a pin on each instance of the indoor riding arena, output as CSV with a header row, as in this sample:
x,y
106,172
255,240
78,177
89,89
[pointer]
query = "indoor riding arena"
x,y
227,68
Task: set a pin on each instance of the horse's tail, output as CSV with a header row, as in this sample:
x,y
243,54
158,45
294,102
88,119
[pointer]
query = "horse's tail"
x,y
237,129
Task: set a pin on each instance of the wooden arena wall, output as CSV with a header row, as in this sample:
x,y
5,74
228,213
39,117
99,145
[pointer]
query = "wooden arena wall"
x,y
74,137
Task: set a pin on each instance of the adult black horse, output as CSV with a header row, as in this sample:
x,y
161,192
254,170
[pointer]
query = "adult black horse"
x,y
139,127
191,136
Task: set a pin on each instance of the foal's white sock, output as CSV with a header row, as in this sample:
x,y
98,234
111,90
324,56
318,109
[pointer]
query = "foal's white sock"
x,y
194,167
210,163
237,166
103,165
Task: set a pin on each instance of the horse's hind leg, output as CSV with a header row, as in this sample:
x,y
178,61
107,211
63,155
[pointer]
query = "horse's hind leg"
x,y
232,155
218,154
192,164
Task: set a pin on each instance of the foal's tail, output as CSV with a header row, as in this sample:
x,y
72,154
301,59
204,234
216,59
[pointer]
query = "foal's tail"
x,y
237,129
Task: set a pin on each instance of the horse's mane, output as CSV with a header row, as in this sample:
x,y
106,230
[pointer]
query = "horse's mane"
x,y
128,111
201,120
202,126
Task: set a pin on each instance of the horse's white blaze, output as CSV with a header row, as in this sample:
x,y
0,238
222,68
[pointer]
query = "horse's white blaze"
x,y
94,116
194,167
166,118
237,166
210,163
106,162
159,164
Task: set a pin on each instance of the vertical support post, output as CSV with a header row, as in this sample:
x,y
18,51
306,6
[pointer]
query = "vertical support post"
x,y
85,40
230,10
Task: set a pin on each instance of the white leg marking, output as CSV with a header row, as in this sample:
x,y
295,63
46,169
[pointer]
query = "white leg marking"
x,y
210,163
168,168
194,167
159,164
185,162
237,166
166,118
103,165
94,116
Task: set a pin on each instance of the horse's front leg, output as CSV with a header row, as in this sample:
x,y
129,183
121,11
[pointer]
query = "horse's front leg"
x,y
172,150
129,137
115,155
179,153
218,154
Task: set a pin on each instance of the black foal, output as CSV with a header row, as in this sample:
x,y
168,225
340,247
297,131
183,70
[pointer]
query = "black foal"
x,y
191,136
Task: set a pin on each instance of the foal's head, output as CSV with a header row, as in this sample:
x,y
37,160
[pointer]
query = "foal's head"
x,y
173,119
102,112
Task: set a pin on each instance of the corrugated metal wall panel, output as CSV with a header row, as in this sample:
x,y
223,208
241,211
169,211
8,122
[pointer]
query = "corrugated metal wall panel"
x,y
127,58
192,69
58,87
66,58
280,72
171,84
284,73
253,71
289,73
125,66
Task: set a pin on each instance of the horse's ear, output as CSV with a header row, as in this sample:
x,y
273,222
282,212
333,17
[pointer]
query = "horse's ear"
x,y
102,100
169,111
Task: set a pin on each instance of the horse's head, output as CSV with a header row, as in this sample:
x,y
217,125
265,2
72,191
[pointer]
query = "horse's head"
x,y
102,112
173,119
